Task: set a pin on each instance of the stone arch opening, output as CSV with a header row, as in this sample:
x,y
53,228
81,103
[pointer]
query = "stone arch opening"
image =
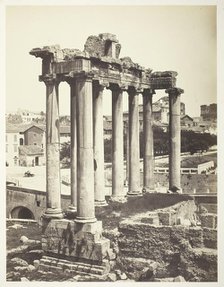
x,y
22,212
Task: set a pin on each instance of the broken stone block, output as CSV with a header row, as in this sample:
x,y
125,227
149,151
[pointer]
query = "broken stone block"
x,y
111,254
19,261
167,217
31,267
20,268
210,237
123,276
84,241
112,277
36,263
179,279
208,220
24,279
151,219
23,239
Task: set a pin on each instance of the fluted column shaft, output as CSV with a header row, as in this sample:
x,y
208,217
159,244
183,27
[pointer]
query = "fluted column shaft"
x,y
174,139
98,144
117,143
134,165
148,152
53,178
85,170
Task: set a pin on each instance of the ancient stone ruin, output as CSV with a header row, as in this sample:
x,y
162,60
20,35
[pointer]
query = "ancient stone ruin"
x,y
77,241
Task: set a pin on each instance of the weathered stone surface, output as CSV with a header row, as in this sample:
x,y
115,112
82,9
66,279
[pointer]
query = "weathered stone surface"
x,y
136,267
36,263
112,277
210,237
209,220
21,268
152,218
167,217
195,236
24,279
65,237
31,267
23,239
19,261
103,45
179,279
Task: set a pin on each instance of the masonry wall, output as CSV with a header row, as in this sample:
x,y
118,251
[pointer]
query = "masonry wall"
x,y
34,200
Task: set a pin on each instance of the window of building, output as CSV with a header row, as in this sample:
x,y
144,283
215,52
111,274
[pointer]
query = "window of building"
x,y
15,147
15,138
6,138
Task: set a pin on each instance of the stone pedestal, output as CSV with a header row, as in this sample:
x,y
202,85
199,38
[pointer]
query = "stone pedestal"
x,y
98,145
69,239
148,153
134,165
53,178
174,139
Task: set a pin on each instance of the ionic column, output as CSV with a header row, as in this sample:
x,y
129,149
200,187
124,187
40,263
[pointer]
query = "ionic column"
x,y
98,144
73,113
148,153
53,179
134,166
174,138
117,143
85,170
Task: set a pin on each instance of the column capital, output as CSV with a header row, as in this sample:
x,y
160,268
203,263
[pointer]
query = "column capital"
x,y
83,75
174,91
118,86
148,92
49,79
134,90
100,84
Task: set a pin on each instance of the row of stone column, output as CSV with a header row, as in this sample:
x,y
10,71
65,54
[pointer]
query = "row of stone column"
x,y
87,146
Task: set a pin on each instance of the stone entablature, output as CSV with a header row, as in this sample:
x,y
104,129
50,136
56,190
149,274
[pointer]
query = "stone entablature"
x,y
101,59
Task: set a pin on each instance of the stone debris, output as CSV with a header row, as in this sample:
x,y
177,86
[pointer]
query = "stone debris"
x,y
21,268
23,239
179,279
37,251
31,267
36,263
112,277
24,279
16,226
19,261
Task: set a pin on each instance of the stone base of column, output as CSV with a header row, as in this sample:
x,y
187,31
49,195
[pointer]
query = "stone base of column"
x,y
53,213
121,199
99,203
80,219
179,191
64,237
148,190
71,212
134,193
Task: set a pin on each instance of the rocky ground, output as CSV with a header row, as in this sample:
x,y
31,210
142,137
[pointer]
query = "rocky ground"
x,y
24,248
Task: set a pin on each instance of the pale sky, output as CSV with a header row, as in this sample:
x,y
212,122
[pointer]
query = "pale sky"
x,y
178,38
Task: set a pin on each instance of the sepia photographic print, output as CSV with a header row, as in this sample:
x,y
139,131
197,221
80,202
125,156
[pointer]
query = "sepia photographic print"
x,y
110,159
